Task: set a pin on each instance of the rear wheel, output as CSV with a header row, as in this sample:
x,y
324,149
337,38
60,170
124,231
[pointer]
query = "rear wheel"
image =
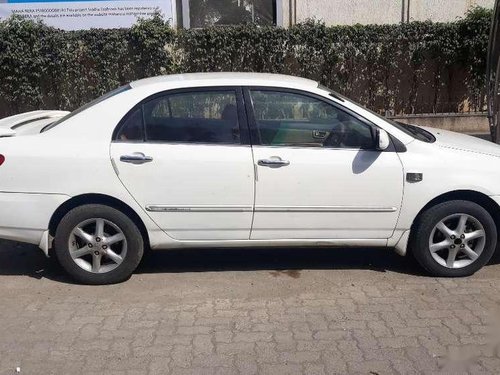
x,y
97,244
454,238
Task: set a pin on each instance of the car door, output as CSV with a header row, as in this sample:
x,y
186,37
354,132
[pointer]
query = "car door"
x,y
184,156
318,174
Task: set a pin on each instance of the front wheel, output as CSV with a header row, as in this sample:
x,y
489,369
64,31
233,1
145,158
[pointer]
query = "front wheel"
x,y
454,238
97,244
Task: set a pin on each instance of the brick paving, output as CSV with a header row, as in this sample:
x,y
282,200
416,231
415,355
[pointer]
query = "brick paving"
x,y
249,311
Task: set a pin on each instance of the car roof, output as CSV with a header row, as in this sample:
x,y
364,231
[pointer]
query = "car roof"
x,y
228,78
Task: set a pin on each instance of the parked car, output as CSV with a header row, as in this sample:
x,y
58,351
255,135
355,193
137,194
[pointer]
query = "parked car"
x,y
241,160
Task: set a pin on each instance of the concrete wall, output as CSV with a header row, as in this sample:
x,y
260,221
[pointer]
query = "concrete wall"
x,y
344,12
442,11
473,123
348,12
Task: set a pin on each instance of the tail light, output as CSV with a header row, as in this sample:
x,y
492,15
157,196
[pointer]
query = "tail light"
x,y
2,159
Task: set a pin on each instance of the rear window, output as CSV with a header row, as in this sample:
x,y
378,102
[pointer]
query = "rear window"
x,y
87,106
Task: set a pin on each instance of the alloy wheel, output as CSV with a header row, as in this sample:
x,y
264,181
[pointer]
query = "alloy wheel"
x,y
457,241
97,245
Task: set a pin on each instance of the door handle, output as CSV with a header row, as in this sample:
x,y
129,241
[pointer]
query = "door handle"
x,y
319,134
273,162
136,158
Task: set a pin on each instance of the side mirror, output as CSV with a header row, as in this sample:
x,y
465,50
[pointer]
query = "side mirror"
x,y
383,140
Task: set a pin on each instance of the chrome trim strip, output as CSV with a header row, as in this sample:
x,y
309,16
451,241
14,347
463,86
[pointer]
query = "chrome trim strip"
x,y
323,209
229,208
169,208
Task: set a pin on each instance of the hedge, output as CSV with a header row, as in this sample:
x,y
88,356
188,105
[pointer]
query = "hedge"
x,y
417,67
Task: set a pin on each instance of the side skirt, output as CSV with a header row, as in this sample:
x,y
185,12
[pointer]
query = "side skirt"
x,y
276,243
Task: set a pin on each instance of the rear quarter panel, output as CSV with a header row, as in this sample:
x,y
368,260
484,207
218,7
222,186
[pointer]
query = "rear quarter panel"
x,y
69,160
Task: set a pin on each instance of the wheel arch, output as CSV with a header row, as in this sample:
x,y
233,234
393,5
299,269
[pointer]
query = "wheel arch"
x,y
402,247
467,195
103,199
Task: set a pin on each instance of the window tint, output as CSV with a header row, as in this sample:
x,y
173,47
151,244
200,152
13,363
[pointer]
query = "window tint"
x,y
195,117
298,120
132,128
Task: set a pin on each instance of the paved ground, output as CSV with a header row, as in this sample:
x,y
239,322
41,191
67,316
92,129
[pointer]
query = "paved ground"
x,y
249,311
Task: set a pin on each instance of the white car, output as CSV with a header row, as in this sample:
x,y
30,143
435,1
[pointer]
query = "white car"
x,y
241,159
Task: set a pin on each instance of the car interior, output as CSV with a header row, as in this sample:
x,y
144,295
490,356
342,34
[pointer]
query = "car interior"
x,y
338,130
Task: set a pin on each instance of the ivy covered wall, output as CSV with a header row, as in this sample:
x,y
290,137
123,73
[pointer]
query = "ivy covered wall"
x,y
419,67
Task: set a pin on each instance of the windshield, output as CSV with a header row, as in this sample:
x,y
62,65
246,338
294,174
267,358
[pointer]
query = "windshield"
x,y
87,106
412,130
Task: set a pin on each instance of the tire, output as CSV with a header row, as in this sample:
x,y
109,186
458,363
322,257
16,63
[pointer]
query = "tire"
x,y
446,250
97,245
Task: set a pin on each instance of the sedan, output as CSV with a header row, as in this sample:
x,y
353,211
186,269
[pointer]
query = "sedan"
x,y
241,160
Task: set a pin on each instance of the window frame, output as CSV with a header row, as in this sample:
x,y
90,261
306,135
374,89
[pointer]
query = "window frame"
x,y
186,13
240,108
254,131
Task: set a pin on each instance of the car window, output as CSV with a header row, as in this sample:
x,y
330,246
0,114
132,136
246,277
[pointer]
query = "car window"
x,y
411,130
132,128
290,119
193,117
